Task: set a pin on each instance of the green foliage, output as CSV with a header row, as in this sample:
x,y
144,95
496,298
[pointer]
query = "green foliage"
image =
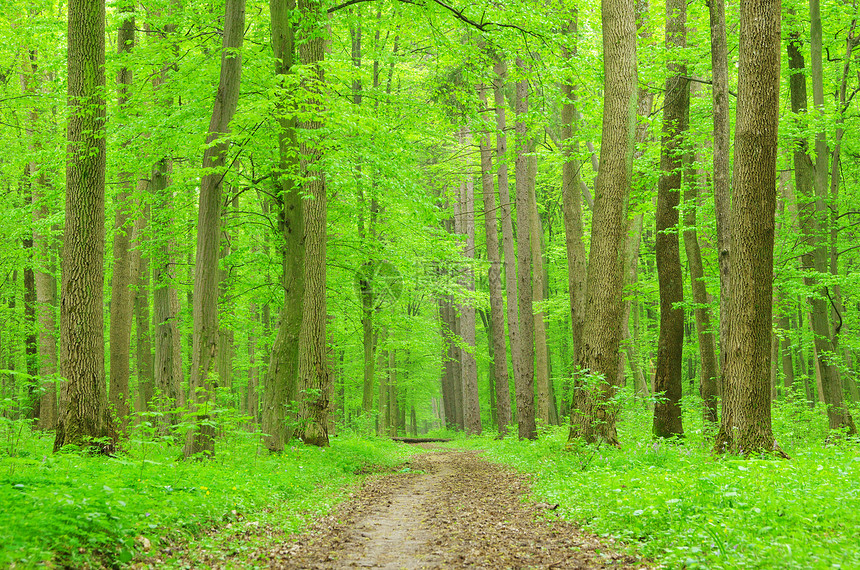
x,y
675,502
77,510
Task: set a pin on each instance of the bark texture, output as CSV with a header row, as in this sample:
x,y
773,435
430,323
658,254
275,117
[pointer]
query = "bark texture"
x,y
279,384
122,296
708,374
314,376
571,204
500,69
722,191
544,401
524,370
84,418
471,400
745,426
200,439
593,418
670,345
498,349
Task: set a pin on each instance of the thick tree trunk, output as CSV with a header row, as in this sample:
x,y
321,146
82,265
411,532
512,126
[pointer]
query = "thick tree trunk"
x,y
200,439
593,418
279,385
122,297
745,425
676,110
84,418
499,366
314,377
524,374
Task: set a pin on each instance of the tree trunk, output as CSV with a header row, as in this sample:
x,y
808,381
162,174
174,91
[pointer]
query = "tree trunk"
x,y
670,346
593,418
813,217
39,284
252,404
84,418
46,300
541,374
633,243
571,204
745,426
447,332
506,215
200,439
145,378
122,297
702,312
499,365
525,374
314,377
471,401
279,385
722,190
163,318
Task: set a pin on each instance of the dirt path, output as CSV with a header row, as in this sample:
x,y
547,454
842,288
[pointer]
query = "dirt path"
x,y
450,510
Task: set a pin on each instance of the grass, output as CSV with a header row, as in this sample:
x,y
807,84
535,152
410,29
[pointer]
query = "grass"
x,y
79,511
674,502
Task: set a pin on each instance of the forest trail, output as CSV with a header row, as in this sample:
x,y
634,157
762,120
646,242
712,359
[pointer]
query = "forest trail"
x,y
447,509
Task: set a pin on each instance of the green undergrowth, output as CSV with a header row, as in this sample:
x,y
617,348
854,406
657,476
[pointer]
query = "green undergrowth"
x,y
75,510
676,503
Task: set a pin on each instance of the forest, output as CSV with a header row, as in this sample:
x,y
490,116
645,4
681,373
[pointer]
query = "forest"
x,y
611,244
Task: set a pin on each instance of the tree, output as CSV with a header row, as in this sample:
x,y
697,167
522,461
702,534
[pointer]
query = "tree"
x,y
279,384
722,191
201,438
667,377
571,181
702,312
84,419
469,368
593,417
500,70
497,316
122,297
810,182
524,375
818,260
314,375
745,425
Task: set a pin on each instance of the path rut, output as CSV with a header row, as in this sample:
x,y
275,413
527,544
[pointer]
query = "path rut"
x,y
449,510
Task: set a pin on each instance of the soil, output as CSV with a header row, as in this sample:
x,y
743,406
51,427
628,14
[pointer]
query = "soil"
x,y
446,509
